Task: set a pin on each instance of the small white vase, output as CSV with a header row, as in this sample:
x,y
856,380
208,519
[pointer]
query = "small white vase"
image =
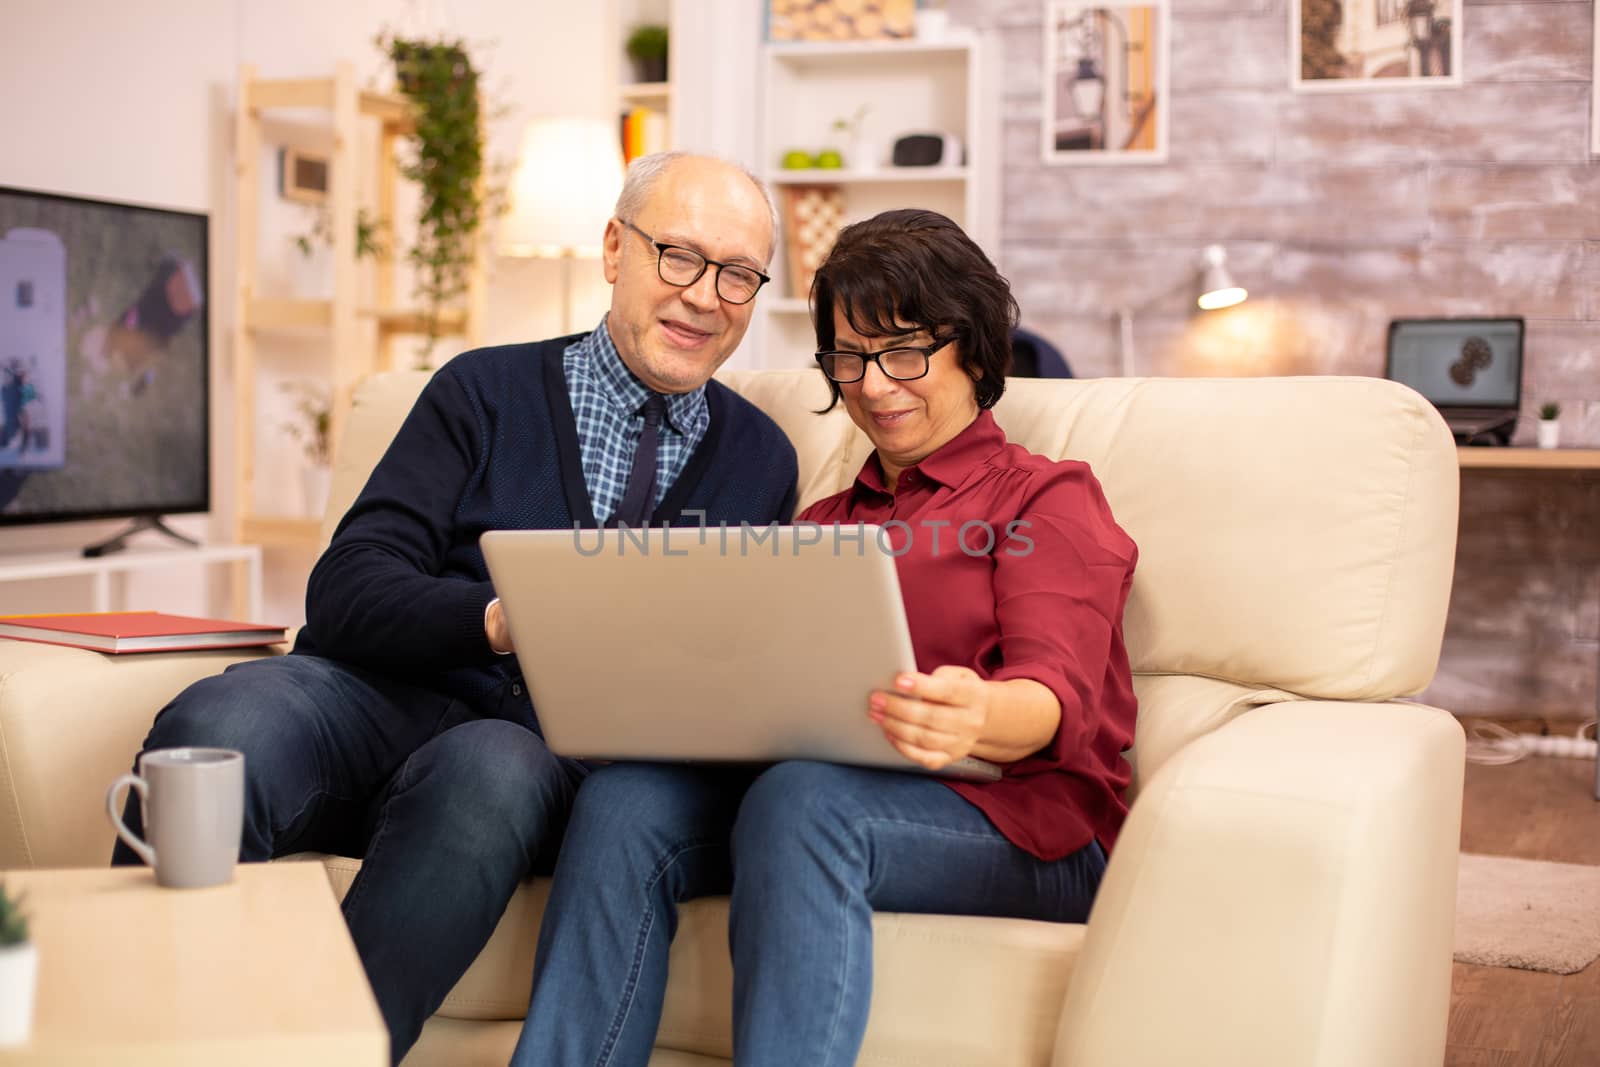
x,y
1549,433
932,23
314,484
19,975
861,153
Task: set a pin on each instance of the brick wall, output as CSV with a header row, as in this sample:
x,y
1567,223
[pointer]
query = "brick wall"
x,y
1340,212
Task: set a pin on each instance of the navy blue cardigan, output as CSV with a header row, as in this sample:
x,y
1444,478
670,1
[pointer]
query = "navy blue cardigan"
x,y
492,445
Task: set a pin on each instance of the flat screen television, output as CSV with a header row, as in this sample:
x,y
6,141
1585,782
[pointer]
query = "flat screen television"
x,y
103,360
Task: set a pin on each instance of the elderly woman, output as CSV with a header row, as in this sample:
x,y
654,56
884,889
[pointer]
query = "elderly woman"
x,y
1021,662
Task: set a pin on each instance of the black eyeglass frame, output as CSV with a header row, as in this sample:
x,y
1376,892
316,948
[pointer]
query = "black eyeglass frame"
x,y
662,247
875,357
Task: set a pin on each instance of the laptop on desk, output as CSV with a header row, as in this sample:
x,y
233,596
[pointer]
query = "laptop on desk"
x,y
1471,369
733,645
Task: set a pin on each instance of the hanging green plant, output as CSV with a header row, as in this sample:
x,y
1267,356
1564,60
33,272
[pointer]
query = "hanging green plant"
x,y
440,80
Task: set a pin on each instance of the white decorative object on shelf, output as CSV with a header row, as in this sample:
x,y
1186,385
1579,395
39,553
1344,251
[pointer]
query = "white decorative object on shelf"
x,y
932,23
315,481
1549,425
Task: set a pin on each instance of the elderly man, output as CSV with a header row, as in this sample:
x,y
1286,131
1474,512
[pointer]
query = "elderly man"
x,y
398,729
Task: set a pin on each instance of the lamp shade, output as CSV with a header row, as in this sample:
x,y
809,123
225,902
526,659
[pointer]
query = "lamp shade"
x,y
568,175
1216,284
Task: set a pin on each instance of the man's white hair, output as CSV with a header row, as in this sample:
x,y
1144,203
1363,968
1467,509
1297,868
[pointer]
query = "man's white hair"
x,y
644,172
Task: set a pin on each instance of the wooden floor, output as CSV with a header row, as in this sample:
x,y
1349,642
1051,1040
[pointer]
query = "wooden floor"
x,y
1538,809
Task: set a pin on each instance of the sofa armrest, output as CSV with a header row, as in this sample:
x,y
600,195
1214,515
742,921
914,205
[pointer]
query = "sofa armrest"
x,y
1283,892
71,720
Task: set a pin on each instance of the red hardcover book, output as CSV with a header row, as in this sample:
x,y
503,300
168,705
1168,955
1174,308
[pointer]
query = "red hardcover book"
x,y
137,631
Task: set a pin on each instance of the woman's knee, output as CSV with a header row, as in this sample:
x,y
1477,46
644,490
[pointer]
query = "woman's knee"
x,y
798,806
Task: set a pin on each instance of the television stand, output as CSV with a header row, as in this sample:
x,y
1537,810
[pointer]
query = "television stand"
x,y
120,541
109,595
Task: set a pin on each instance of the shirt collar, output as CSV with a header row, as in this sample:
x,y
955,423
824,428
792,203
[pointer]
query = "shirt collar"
x,y
626,393
952,462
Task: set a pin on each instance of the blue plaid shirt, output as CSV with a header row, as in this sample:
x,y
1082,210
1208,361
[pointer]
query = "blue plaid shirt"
x,y
606,403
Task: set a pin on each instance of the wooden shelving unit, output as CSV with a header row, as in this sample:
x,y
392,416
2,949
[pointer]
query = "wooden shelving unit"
x,y
360,340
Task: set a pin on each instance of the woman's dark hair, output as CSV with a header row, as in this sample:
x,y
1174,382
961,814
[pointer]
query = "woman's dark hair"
x,y
911,267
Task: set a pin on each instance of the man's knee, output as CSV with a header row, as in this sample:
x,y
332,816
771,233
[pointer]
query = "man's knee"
x,y
491,772
229,710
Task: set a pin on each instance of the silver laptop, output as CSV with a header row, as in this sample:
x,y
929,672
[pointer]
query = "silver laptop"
x,y
1470,368
749,644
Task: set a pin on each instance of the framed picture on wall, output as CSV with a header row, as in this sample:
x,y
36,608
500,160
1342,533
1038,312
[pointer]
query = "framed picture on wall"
x,y
1106,81
1353,45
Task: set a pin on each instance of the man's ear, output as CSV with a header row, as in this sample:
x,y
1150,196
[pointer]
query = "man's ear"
x,y
611,253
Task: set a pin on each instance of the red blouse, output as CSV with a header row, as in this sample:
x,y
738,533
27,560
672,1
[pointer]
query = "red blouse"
x,y
1011,564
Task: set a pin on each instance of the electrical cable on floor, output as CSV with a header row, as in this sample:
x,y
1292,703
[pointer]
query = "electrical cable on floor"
x,y
1490,743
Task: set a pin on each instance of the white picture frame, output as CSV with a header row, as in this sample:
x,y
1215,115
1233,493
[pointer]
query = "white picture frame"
x,y
1107,81
1594,102
1376,45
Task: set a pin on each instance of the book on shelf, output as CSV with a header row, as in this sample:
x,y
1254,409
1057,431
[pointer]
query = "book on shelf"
x,y
644,131
138,631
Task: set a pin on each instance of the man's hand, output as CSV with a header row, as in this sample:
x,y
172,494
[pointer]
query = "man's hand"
x,y
933,719
496,628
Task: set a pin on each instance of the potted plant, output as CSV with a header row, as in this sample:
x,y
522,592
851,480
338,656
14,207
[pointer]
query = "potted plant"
x,y
19,972
313,430
647,47
448,166
1549,424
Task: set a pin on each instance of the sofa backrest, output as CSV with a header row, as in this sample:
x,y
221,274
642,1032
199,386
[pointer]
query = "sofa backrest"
x,y
1294,533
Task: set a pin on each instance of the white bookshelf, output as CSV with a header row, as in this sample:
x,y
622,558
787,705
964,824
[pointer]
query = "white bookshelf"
x,y
909,87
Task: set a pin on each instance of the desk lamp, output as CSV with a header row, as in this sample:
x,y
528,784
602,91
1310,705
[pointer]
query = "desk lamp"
x,y
1216,290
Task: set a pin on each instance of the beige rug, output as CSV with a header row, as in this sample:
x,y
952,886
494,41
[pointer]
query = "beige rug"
x,y
1527,914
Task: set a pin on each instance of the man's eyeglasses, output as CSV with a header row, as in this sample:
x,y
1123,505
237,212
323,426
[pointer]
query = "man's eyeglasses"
x,y
683,267
904,364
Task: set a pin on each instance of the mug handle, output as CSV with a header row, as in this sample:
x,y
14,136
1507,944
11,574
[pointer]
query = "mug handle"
x,y
137,784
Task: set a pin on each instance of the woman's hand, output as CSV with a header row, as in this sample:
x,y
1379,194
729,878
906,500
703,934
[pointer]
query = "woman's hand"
x,y
933,719
939,718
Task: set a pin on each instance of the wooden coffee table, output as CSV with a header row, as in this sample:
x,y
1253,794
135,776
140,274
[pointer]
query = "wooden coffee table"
x,y
261,971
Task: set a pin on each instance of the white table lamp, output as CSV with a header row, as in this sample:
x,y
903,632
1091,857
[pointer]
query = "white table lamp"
x,y
568,175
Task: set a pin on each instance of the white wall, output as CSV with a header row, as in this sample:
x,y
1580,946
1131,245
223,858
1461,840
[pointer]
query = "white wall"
x,y
134,102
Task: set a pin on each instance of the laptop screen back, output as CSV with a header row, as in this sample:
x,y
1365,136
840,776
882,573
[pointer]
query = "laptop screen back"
x,y
1459,363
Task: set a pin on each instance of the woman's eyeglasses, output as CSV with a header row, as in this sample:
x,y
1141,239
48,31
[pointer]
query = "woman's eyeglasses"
x,y
905,363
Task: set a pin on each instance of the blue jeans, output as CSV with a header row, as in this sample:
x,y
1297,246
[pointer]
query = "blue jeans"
x,y
449,809
808,851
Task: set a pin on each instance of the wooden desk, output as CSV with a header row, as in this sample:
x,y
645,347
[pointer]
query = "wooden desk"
x,y
1549,459
259,972
1493,458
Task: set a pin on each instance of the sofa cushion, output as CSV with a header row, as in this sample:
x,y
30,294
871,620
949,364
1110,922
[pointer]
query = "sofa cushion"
x,y
947,989
66,734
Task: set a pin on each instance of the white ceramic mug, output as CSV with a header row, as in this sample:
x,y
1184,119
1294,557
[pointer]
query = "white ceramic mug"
x,y
193,802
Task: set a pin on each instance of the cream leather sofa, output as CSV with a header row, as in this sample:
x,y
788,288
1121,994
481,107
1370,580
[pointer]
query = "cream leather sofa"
x,y
1283,891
